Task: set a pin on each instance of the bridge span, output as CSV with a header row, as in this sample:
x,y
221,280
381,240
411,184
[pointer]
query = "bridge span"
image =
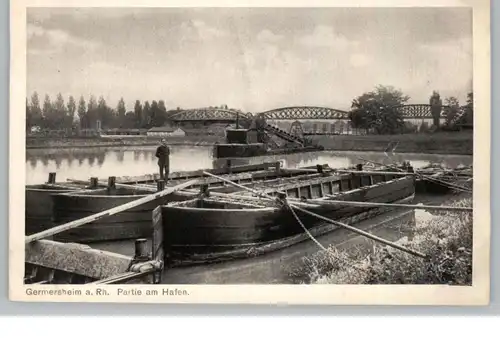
x,y
299,119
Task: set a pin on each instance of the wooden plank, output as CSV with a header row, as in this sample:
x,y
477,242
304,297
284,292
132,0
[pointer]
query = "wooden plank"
x,y
158,253
203,180
362,172
294,183
65,186
74,224
32,276
123,278
76,258
198,173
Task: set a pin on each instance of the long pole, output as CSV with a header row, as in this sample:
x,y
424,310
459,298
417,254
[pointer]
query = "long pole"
x,y
82,221
353,229
361,232
365,172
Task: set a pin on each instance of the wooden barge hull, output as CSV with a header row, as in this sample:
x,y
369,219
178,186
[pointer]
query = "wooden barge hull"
x,y
441,181
136,222
205,230
426,186
130,224
39,205
282,266
39,198
49,262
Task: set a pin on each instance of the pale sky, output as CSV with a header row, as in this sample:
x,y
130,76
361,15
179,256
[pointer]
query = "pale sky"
x,y
251,59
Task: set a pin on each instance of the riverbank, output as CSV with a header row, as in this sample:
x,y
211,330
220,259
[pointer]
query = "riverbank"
x,y
53,143
453,143
446,239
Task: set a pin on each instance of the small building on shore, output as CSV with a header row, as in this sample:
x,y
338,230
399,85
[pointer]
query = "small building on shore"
x,y
166,131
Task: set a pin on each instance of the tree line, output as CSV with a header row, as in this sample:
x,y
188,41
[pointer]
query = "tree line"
x,y
376,111
60,115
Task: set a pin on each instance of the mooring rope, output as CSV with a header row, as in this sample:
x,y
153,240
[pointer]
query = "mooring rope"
x,y
312,237
302,224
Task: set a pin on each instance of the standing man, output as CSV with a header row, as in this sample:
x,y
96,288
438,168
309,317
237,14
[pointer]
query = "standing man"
x,y
163,154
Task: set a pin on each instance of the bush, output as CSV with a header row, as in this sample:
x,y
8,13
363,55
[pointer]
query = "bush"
x,y
445,239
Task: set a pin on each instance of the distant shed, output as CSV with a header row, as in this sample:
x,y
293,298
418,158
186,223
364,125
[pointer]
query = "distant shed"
x,y
166,131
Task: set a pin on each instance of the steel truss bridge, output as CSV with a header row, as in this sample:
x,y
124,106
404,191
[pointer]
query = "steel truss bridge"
x,y
293,123
411,111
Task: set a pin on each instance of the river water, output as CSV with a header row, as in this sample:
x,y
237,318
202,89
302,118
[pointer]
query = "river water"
x,y
83,163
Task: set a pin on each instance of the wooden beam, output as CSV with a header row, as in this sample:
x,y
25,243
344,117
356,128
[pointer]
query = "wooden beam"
x,y
376,172
158,248
76,258
196,173
82,221
66,186
122,278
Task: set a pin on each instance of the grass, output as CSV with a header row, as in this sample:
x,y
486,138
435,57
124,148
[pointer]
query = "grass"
x,y
446,239
442,142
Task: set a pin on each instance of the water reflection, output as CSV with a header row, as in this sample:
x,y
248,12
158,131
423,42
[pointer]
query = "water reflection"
x,y
103,162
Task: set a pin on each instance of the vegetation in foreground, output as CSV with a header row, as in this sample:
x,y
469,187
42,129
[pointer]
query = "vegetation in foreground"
x,y
446,239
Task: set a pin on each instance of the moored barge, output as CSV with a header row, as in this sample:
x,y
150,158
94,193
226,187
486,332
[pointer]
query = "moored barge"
x,y
216,228
135,223
39,205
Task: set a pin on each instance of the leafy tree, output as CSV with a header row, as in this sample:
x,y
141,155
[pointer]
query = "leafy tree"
x,y
158,113
92,113
146,117
105,114
436,107
47,112
71,111
29,119
35,112
162,116
376,110
59,113
468,109
121,112
82,113
138,114
161,105
130,120
154,113
452,110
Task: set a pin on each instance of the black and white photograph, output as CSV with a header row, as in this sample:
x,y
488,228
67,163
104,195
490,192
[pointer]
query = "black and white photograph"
x,y
167,147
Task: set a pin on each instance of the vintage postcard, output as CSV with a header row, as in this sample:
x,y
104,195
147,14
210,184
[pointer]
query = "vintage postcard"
x,y
261,153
